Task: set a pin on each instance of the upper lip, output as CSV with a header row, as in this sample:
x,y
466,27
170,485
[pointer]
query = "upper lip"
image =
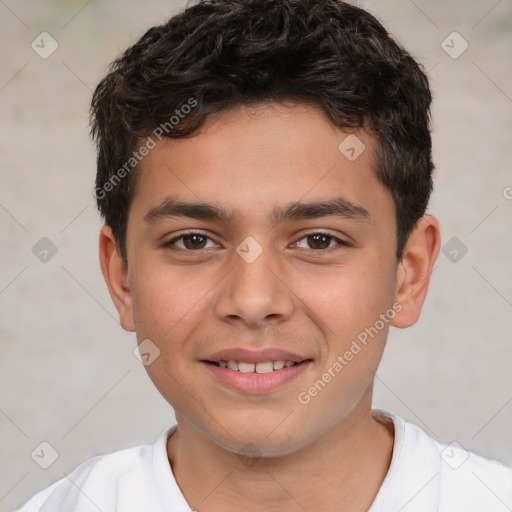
x,y
255,356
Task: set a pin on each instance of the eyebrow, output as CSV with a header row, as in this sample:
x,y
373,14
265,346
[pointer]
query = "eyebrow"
x,y
337,206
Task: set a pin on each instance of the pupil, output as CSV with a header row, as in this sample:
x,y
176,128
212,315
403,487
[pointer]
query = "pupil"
x,y
322,239
194,238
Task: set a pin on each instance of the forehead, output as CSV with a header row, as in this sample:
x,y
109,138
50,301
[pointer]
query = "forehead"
x,y
250,160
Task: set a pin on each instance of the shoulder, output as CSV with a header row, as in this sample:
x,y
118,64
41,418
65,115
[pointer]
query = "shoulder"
x,y
100,483
472,481
463,480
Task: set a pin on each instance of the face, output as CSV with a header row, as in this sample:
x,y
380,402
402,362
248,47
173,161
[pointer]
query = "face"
x,y
230,261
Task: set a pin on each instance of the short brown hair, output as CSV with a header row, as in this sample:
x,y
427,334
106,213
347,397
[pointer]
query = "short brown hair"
x,y
223,53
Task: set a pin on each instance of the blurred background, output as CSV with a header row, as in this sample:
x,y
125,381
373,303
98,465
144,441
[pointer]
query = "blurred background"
x,y
68,375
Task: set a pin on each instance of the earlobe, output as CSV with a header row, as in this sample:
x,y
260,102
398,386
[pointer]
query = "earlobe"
x,y
415,269
116,276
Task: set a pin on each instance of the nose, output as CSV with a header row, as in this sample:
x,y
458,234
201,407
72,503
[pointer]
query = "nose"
x,y
255,293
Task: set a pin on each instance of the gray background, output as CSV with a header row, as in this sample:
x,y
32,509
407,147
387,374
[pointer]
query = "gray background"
x,y
68,375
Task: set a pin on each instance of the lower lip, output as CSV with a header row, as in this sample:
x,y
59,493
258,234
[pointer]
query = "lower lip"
x,y
256,383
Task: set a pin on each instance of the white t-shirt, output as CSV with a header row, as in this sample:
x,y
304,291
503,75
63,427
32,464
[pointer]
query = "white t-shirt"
x,y
424,476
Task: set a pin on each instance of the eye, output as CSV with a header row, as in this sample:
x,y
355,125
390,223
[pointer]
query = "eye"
x,y
189,241
319,241
195,241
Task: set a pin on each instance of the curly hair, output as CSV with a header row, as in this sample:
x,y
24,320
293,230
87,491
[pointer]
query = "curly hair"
x,y
218,54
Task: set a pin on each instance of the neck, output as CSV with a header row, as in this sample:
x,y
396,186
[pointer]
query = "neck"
x,y
342,470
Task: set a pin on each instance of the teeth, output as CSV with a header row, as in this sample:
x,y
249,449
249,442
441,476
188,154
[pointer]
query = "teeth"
x,y
233,365
264,367
246,367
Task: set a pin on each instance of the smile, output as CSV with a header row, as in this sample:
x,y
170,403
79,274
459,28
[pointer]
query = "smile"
x,y
255,378
263,367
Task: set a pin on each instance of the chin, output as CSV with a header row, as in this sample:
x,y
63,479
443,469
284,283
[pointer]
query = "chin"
x,y
263,437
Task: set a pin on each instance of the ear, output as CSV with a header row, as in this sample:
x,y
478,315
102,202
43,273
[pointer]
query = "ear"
x,y
116,276
415,269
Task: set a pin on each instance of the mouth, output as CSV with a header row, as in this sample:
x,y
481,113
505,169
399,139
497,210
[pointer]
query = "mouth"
x,y
255,378
260,367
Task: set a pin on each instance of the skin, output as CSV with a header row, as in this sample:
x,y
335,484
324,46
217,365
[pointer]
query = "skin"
x,y
329,454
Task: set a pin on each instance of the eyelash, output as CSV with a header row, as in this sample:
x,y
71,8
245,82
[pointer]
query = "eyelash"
x,y
171,242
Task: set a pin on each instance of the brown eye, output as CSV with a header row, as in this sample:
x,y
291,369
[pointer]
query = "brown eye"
x,y
320,241
189,242
194,241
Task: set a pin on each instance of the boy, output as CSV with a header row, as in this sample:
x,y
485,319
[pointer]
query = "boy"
x,y
264,169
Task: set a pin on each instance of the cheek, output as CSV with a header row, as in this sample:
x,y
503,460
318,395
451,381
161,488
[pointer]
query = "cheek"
x,y
167,304
361,313
168,307
348,298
